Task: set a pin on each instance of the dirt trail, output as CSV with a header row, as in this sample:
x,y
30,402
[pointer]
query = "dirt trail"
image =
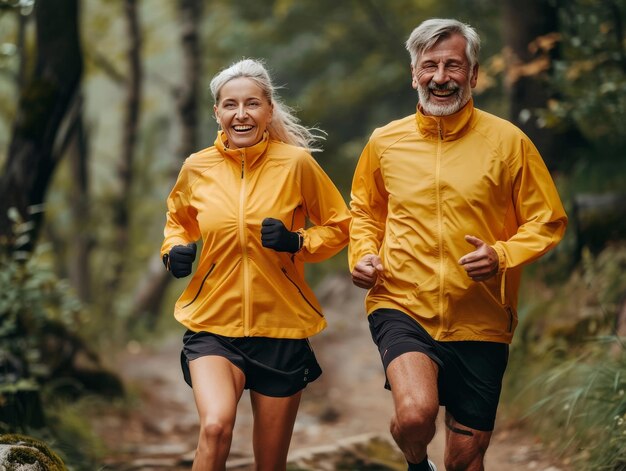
x,y
347,401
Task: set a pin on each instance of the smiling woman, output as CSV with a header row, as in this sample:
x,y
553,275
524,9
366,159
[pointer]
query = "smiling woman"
x,y
243,111
263,207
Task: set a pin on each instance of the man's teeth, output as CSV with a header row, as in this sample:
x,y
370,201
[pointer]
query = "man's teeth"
x,y
442,93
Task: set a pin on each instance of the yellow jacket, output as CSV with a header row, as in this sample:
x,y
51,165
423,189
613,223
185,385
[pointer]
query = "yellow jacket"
x,y
241,288
422,183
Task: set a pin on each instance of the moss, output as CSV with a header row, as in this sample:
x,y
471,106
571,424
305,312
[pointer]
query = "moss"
x,y
29,450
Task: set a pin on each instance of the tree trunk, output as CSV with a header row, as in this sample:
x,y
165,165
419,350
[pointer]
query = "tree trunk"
x,y
130,126
530,38
149,295
82,243
43,103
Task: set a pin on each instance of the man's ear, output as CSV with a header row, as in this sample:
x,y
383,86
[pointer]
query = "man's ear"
x,y
413,78
474,79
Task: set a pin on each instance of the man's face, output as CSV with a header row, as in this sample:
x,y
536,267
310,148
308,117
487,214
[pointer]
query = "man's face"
x,y
443,77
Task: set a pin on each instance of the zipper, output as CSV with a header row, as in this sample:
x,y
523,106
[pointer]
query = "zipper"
x,y
201,285
284,270
244,251
440,223
509,311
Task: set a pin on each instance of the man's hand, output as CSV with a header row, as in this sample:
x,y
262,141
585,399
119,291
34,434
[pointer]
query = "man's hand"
x,y
482,263
274,235
180,259
366,271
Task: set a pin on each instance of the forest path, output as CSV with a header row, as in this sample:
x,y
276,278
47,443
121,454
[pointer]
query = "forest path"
x,y
346,406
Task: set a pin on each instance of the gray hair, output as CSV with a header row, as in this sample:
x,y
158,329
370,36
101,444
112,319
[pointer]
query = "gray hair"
x,y
426,35
285,126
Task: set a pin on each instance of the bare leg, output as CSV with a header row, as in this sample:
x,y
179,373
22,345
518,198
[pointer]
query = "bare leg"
x,y
217,388
465,446
274,418
413,380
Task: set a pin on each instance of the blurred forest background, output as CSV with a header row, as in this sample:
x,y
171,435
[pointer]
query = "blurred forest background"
x,y
101,101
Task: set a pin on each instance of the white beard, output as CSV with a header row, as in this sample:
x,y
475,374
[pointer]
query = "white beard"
x,y
461,97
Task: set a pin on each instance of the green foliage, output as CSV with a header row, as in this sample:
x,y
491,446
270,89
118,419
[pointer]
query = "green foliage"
x,y
590,78
32,298
583,402
584,307
566,372
72,433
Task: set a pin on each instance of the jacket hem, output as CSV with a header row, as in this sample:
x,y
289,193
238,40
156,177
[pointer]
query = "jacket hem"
x,y
270,332
446,336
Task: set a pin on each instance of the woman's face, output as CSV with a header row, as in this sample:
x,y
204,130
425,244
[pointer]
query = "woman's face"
x,y
243,112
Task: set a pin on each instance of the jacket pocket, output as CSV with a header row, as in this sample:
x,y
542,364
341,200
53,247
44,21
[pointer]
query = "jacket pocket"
x,y
211,268
284,270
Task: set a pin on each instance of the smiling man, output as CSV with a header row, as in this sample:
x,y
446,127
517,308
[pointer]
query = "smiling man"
x,y
448,204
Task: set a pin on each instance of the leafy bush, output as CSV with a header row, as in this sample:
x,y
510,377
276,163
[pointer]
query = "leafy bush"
x,y
568,343
34,304
582,403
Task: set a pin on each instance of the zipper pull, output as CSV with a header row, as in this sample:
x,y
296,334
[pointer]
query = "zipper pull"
x,y
439,129
242,166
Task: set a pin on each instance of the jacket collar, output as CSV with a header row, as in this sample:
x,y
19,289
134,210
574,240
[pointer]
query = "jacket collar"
x,y
249,154
449,127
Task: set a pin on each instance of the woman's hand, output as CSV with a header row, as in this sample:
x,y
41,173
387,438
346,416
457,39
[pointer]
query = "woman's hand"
x,y
180,259
274,235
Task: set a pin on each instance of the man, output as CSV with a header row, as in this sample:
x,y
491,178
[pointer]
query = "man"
x,y
447,206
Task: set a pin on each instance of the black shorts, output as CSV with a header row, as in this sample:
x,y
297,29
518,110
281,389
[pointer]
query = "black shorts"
x,y
272,367
470,372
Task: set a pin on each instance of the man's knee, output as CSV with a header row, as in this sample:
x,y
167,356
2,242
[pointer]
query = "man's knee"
x,y
465,462
414,417
469,456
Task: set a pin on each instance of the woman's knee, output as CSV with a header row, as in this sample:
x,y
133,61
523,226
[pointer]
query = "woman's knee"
x,y
215,431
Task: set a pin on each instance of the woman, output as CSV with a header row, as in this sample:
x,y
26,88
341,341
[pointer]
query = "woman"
x,y
247,308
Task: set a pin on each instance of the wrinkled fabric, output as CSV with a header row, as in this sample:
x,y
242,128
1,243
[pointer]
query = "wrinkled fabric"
x,y
421,184
240,288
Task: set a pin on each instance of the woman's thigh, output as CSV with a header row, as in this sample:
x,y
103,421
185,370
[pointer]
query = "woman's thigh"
x,y
217,388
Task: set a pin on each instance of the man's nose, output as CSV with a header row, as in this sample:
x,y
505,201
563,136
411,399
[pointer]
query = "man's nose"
x,y
441,75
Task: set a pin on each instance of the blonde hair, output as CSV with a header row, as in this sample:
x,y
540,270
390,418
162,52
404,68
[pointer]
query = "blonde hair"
x,y
426,35
285,126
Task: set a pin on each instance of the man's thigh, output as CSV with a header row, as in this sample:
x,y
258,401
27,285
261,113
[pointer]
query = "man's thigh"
x,y
412,377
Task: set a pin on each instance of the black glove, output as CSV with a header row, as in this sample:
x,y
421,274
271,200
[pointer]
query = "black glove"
x,y
179,260
274,235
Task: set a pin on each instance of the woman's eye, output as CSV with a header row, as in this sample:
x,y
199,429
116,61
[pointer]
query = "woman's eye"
x,y
229,106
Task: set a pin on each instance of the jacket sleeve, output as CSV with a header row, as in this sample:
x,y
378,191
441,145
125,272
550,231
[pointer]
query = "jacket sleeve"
x,y
326,209
368,207
538,209
181,226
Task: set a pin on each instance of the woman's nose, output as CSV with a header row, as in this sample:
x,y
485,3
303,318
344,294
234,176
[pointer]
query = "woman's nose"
x,y
241,112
